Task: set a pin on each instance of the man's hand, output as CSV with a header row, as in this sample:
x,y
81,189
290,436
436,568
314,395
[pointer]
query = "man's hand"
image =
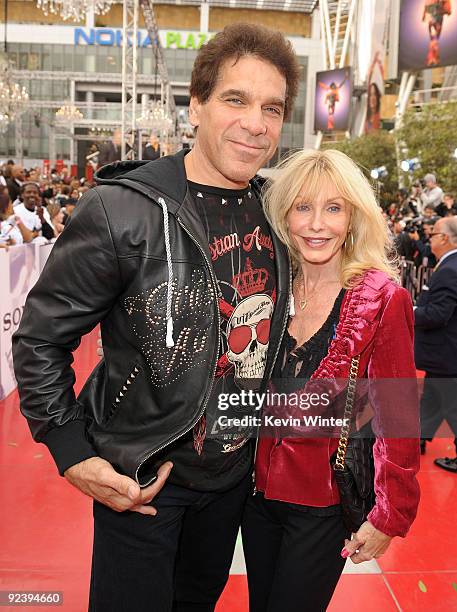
x,y
39,212
100,351
368,543
98,479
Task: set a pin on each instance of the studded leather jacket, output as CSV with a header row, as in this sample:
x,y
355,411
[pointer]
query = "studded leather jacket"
x,y
135,259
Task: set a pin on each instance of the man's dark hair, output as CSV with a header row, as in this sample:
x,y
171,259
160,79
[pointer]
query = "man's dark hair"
x,y
239,40
449,195
27,184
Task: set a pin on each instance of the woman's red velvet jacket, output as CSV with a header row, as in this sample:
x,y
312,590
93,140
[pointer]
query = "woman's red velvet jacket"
x,y
376,322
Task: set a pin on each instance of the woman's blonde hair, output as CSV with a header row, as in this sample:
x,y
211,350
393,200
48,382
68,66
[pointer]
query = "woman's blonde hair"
x,y
371,244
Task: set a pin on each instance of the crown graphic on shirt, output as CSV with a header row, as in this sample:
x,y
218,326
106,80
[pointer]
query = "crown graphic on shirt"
x,y
252,280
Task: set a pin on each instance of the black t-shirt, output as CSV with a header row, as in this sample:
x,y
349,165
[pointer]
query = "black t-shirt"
x,y
243,261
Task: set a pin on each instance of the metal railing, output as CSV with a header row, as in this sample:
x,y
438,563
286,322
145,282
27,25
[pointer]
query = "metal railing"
x,y
413,277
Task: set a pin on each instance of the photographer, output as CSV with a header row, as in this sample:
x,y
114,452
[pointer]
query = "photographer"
x,y
432,194
415,247
404,243
407,205
428,258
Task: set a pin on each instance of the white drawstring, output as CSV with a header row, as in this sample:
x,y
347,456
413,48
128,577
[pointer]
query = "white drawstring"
x,y
291,305
169,337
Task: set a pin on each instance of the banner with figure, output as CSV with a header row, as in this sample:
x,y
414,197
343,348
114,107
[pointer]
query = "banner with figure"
x,y
428,34
375,75
333,100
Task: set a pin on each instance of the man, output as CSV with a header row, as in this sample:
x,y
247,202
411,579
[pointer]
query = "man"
x,y
404,243
428,257
33,215
448,206
111,151
175,259
63,195
432,194
436,338
152,149
14,183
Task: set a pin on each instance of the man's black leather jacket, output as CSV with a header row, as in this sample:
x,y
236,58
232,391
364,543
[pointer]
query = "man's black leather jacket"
x,y
110,266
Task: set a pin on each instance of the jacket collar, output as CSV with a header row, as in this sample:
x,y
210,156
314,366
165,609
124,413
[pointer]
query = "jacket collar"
x,y
445,256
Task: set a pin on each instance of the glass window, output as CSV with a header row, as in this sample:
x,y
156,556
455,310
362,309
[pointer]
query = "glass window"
x,y
34,61
57,57
79,59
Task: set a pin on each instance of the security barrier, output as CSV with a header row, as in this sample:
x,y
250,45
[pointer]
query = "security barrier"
x,y
20,267
413,277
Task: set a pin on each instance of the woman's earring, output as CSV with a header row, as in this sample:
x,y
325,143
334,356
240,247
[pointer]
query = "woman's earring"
x,y
349,246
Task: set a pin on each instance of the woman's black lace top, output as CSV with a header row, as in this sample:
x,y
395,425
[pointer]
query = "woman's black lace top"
x,y
302,361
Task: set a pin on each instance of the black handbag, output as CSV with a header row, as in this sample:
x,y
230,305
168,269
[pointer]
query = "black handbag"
x,y
353,464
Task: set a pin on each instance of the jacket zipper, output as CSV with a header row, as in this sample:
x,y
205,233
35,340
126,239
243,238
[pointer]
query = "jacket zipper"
x,y
284,325
205,402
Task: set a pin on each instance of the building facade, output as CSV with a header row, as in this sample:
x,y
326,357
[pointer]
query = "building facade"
x,y
60,62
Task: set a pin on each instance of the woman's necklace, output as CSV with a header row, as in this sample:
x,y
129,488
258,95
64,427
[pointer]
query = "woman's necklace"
x,y
303,301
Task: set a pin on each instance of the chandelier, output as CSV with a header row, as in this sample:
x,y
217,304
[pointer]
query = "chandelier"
x,y
74,9
68,113
155,118
13,97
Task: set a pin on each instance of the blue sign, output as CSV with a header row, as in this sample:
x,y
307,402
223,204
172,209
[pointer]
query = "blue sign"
x,y
106,37
109,37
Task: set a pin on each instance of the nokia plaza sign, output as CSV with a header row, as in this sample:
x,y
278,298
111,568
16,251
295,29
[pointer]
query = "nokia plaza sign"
x,y
109,37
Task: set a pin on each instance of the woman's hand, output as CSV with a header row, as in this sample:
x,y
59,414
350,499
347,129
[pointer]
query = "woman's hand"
x,y
368,541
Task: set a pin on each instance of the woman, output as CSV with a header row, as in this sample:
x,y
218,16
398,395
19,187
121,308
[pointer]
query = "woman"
x,y
12,230
56,215
347,304
373,121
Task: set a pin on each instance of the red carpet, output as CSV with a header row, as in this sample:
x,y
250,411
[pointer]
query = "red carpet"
x,y
46,532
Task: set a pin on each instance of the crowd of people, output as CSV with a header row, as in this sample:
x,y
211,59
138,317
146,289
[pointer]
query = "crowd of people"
x,y
413,215
412,218
35,206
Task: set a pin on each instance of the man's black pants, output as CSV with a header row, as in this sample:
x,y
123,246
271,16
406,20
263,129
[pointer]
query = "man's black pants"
x,y
438,404
292,557
177,560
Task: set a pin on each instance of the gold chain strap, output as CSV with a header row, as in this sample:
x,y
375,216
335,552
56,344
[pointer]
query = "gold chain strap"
x,y
344,435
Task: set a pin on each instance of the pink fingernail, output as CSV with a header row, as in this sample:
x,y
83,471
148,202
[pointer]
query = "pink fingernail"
x,y
344,553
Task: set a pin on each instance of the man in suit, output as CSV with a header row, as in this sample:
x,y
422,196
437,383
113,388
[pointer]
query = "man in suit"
x,y
152,149
15,182
111,151
436,338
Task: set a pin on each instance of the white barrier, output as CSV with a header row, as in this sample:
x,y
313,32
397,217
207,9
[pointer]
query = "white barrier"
x,y
20,267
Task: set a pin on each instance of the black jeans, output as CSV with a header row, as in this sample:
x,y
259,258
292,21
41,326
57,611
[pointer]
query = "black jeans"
x,y
178,560
438,404
293,557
